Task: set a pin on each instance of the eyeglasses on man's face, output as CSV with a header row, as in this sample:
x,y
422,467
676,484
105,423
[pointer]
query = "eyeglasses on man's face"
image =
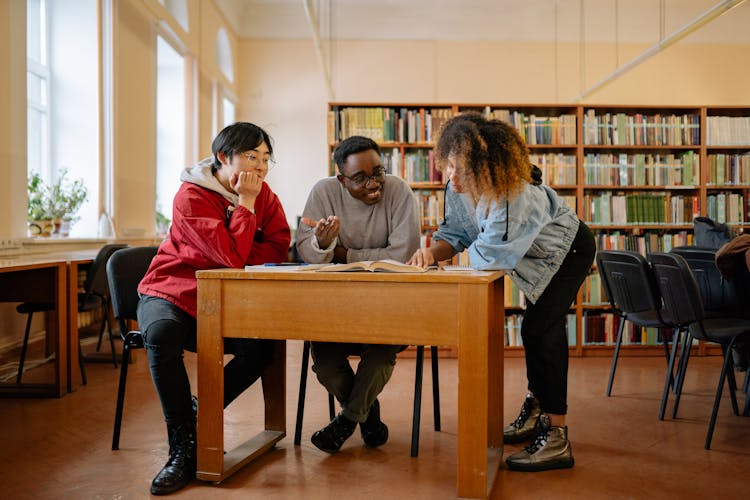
x,y
255,160
361,180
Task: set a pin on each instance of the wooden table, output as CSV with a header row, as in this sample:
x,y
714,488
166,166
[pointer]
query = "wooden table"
x,y
37,278
434,308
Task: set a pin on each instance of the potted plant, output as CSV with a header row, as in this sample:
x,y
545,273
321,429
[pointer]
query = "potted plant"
x,y
58,202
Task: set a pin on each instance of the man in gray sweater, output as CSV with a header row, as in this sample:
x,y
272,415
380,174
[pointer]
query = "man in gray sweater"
x,y
361,214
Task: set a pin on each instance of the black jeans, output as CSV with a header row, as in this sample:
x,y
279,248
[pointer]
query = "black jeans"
x,y
168,331
543,331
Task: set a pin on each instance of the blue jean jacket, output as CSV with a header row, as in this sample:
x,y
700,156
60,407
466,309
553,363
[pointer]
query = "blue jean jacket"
x,y
540,229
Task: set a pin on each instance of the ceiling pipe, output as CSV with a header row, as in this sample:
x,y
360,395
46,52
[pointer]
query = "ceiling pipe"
x,y
312,18
673,38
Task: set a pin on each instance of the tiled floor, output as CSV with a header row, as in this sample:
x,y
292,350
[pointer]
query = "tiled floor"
x,y
60,448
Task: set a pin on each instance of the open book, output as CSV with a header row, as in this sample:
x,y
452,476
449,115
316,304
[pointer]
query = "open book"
x,y
386,265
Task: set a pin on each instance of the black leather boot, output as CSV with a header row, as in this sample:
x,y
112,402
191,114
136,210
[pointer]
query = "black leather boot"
x,y
182,464
332,436
374,431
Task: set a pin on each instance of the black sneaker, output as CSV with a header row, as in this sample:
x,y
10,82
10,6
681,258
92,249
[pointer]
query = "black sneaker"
x,y
550,449
522,428
332,436
374,432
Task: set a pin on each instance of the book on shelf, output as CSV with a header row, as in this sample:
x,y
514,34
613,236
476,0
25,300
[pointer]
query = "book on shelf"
x,y
385,265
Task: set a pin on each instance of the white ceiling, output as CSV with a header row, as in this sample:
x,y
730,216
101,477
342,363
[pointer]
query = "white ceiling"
x,y
620,21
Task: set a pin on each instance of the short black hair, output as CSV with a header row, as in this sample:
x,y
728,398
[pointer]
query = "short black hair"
x,y
353,145
237,138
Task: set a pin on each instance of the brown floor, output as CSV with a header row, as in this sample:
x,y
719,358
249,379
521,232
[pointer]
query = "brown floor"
x,y
60,448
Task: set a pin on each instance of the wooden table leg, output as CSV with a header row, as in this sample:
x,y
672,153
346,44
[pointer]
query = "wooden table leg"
x,y
210,383
473,390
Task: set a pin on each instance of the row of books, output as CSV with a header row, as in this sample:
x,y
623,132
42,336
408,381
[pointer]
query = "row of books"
x,y
406,125
413,165
728,130
729,168
601,329
726,207
592,290
513,296
558,169
513,330
560,129
642,169
621,209
650,241
430,203
639,129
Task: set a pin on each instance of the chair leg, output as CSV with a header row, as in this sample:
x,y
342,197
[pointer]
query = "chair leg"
x,y
121,394
417,402
331,406
687,344
668,378
81,363
435,387
615,356
109,330
23,348
732,383
302,391
717,399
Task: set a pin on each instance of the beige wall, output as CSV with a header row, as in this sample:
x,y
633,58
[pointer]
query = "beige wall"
x,y
282,87
12,119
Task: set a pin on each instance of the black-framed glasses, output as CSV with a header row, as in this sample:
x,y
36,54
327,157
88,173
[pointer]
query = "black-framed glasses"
x,y
360,179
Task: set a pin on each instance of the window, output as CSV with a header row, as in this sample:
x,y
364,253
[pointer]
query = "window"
x,y
62,98
227,111
170,128
37,82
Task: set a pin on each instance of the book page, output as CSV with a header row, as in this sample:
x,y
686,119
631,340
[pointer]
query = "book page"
x,y
385,265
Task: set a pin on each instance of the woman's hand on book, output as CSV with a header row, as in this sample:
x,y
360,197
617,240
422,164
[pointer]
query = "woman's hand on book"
x,y
422,258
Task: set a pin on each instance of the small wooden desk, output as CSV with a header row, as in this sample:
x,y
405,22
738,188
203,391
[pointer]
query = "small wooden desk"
x,y
39,278
433,308
37,287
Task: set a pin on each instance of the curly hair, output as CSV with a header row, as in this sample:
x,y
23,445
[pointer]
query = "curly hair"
x,y
490,157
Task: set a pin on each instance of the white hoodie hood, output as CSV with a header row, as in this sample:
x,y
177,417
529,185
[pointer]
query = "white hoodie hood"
x,y
201,175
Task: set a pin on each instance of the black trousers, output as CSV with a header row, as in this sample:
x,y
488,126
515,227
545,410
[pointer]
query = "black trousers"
x,y
169,331
543,330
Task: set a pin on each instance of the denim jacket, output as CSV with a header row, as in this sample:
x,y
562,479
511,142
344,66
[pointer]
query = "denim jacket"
x,y
540,229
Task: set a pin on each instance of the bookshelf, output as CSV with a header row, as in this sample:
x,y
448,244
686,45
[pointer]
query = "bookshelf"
x,y
637,175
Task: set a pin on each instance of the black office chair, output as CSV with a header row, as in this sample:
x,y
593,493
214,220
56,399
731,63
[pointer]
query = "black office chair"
x,y
719,298
125,271
630,286
95,296
682,300
416,418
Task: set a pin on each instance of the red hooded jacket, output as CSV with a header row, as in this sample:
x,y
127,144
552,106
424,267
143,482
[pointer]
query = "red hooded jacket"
x,y
207,233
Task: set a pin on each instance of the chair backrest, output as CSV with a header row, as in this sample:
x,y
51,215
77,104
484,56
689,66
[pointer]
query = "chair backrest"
x,y
628,281
125,269
718,295
679,290
96,278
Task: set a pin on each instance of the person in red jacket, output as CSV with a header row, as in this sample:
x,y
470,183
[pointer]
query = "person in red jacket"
x,y
224,215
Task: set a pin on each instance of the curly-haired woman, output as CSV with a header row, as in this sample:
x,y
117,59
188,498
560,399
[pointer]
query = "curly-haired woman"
x,y
509,220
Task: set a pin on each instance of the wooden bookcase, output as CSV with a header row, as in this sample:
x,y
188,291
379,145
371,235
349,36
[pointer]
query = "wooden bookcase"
x,y
637,175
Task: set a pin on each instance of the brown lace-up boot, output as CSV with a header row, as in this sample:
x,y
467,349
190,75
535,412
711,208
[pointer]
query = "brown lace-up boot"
x,y
550,449
522,428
